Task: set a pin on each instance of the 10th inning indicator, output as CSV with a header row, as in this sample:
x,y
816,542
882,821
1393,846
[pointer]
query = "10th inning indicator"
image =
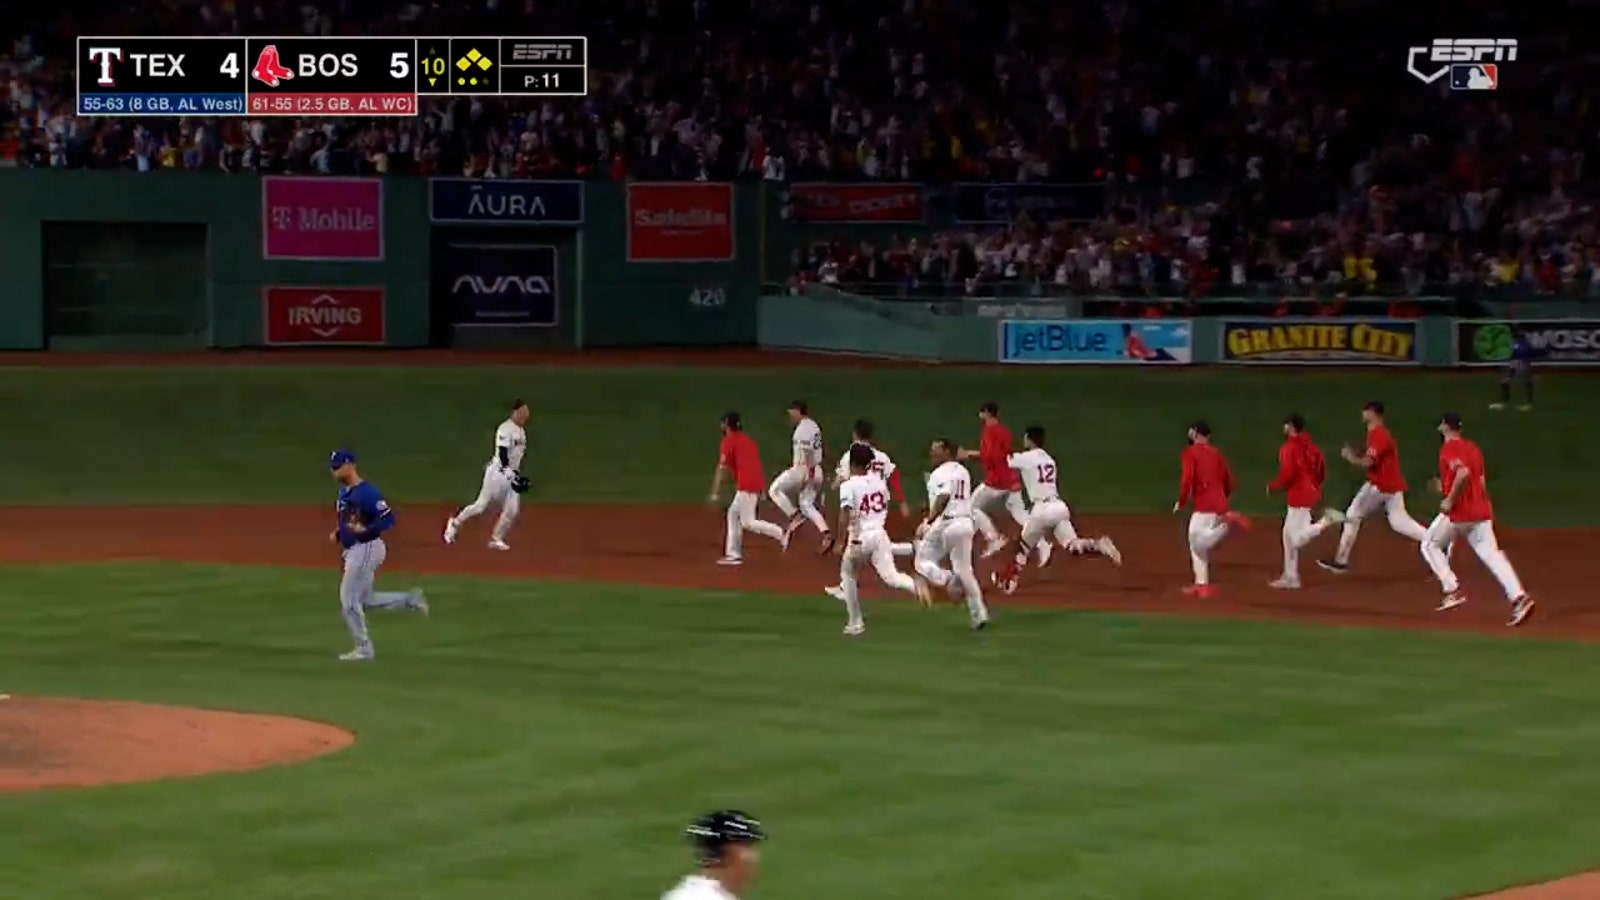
x,y
267,76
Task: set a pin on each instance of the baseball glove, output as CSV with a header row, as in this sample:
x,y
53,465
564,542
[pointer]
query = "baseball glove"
x,y
520,483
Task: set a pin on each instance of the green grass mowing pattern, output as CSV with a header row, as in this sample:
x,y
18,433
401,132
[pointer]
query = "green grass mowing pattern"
x,y
648,435
549,741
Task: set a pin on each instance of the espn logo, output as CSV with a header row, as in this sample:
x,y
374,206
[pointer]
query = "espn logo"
x,y
532,52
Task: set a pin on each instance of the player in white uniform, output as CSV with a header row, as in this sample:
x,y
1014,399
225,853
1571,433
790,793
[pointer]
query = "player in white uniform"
x,y
725,847
863,513
947,533
501,475
1049,517
883,467
796,489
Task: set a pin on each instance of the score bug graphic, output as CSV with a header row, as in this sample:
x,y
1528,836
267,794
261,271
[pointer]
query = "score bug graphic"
x,y
332,76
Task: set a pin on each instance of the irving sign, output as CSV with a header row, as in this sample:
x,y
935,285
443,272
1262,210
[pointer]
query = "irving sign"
x,y
321,316
500,285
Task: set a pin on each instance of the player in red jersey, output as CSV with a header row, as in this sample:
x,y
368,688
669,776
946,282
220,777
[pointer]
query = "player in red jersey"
x,y
1301,470
1467,512
740,457
1001,484
1207,483
1385,488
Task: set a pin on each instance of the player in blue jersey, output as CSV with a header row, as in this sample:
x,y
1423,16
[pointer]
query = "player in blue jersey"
x,y
364,516
1518,368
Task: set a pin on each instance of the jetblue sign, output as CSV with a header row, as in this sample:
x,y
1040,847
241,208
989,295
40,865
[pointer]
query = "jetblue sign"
x,y
1117,341
480,201
504,285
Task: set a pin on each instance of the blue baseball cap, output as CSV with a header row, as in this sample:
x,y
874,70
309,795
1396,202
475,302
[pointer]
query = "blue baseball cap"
x,y
340,457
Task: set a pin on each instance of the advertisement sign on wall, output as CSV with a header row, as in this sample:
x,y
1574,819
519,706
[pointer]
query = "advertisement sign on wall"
x,y
819,202
1139,341
478,201
1560,342
685,221
1321,341
501,284
295,316
338,219
999,204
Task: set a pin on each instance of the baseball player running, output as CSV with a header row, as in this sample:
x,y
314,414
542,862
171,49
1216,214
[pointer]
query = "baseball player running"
x,y
884,468
503,481
863,513
1301,471
363,517
1466,511
1049,517
1207,482
1000,482
740,457
948,531
796,489
725,847
1385,488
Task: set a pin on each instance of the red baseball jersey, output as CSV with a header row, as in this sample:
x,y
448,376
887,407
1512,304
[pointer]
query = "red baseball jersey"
x,y
1385,470
1301,471
740,454
1461,458
994,447
1207,479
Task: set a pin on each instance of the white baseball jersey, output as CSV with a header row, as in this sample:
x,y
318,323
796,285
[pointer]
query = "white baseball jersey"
x,y
514,439
868,496
698,887
807,440
882,466
952,480
1038,471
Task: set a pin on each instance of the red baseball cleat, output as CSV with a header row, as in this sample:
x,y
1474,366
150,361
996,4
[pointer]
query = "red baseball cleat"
x,y
1203,591
1233,518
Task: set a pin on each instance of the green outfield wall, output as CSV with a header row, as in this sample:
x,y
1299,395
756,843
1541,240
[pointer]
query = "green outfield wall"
x,y
149,261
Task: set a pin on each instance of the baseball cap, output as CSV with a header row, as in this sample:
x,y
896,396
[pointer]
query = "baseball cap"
x,y
1451,421
341,457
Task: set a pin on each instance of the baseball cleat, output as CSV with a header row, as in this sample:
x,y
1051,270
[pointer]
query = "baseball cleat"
x,y
1203,591
1521,609
498,544
1333,565
1045,550
1006,583
995,545
980,624
790,529
730,561
1285,584
923,591
1336,516
1497,406
451,529
359,654
1109,550
419,601
1237,519
855,628
1526,407
835,591
1451,600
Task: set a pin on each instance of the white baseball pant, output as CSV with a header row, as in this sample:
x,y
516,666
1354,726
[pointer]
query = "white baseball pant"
x,y
1054,519
1206,530
797,490
1442,533
873,547
496,489
1367,501
357,593
741,518
1299,529
951,539
986,498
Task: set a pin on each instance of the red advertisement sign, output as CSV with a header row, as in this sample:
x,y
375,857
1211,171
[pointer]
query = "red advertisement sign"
x,y
687,221
327,316
818,202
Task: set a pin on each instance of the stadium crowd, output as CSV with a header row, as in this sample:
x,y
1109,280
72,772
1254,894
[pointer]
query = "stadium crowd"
x,y
1242,143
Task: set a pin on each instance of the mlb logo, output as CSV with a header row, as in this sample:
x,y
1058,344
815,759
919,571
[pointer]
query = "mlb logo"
x,y
1474,77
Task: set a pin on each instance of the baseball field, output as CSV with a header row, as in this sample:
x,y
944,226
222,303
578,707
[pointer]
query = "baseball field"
x,y
570,704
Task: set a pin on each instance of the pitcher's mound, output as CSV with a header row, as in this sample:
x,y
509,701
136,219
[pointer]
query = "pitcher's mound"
x,y
48,742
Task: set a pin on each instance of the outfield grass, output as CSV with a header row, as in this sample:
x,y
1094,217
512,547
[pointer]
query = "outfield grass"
x,y
529,741
648,435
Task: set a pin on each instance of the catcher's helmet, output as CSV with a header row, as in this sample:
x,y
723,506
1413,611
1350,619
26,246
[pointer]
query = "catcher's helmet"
x,y
711,833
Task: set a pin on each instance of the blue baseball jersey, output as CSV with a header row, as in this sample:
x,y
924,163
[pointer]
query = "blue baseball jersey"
x,y
363,514
1522,349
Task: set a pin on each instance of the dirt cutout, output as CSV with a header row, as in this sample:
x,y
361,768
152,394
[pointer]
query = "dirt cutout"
x,y
59,743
